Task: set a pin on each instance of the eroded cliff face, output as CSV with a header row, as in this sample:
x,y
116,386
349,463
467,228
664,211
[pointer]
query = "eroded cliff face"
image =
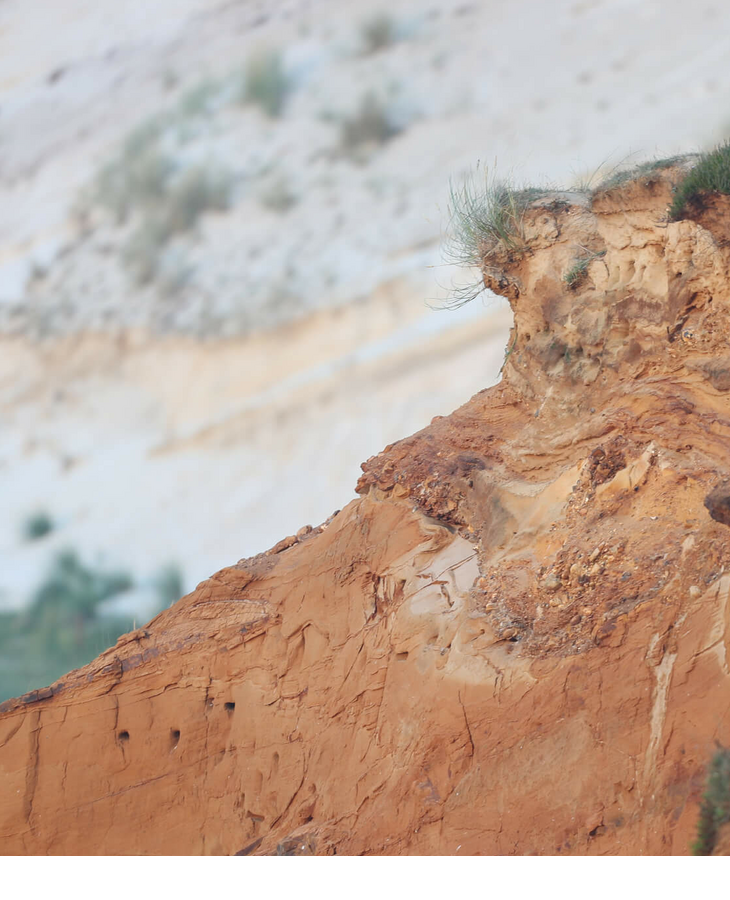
x,y
515,641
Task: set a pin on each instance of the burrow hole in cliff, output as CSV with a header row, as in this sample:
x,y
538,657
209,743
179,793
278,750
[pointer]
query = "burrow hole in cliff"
x,y
229,706
174,738
123,736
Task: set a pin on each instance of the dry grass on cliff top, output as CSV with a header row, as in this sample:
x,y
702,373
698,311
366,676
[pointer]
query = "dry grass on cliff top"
x,y
485,213
620,176
710,174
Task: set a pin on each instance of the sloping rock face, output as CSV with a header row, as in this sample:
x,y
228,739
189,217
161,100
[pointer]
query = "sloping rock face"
x,y
516,641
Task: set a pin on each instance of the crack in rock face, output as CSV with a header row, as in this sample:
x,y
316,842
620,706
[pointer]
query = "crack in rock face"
x,y
516,639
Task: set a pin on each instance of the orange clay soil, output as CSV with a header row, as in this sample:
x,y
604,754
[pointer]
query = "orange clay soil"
x,y
516,641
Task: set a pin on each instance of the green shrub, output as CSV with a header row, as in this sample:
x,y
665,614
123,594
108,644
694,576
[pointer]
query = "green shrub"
x,y
265,83
37,525
197,191
133,181
711,174
371,124
196,102
377,33
137,176
72,590
62,628
715,807
141,253
278,196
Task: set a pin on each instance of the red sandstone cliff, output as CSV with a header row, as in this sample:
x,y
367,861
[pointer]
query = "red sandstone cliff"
x,y
515,642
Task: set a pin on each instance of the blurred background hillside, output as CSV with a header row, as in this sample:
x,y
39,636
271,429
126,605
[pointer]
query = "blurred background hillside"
x,y
222,284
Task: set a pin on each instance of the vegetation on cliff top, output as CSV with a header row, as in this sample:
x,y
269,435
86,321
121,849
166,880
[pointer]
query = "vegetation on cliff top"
x,y
710,175
621,176
482,218
486,216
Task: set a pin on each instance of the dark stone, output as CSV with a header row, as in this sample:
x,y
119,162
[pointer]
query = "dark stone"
x,y
717,503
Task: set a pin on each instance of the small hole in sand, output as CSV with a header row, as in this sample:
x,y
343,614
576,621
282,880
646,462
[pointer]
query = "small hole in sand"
x,y
401,656
123,736
174,737
229,706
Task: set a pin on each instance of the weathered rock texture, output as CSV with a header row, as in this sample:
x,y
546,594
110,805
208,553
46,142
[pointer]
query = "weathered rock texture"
x,y
515,642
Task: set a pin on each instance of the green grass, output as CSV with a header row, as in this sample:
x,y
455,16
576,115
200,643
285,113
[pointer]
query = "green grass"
x,y
265,83
141,252
715,807
620,176
138,177
710,175
577,272
484,216
185,200
197,191
65,627
197,101
62,628
37,525
157,196
143,184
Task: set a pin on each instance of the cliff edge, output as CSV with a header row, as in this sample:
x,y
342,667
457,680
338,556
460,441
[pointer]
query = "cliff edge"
x,y
515,642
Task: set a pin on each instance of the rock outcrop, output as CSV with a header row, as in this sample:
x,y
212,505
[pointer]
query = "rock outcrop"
x,y
515,642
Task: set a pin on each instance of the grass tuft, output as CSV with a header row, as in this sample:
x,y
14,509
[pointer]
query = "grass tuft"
x,y
577,272
371,124
37,525
196,192
715,807
197,101
265,83
138,177
710,175
483,217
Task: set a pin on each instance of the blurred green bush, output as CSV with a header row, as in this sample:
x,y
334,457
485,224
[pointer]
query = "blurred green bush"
x,y
65,626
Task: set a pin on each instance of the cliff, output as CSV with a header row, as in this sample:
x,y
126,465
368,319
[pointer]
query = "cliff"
x,y
514,642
